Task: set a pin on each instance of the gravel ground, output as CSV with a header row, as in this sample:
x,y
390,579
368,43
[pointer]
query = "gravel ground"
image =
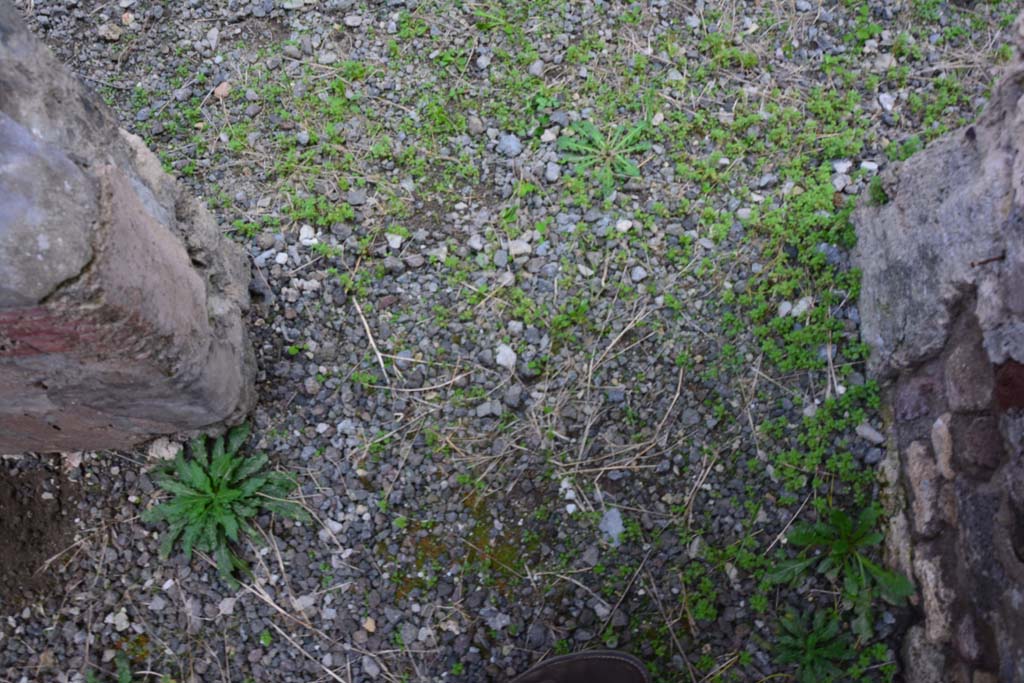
x,y
532,410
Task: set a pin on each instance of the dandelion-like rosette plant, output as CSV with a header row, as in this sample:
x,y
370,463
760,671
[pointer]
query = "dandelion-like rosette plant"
x,y
214,495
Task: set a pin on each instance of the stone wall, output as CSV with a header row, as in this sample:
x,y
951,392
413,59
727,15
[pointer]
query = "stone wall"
x,y
942,306
120,302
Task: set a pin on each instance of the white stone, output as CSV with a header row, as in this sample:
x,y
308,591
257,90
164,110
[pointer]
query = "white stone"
x,y
519,248
802,306
304,603
884,62
509,145
118,619
370,666
842,166
281,258
505,357
886,101
870,434
938,597
353,20
733,574
226,607
925,483
307,235
942,444
495,619
611,525
394,241
109,32
163,449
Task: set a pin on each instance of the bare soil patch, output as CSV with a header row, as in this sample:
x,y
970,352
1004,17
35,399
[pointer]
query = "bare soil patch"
x,y
35,525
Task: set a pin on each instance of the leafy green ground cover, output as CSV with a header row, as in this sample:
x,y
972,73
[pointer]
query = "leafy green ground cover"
x,y
723,156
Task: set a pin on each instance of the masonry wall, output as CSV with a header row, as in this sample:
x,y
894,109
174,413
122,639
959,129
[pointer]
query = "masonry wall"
x,y
942,306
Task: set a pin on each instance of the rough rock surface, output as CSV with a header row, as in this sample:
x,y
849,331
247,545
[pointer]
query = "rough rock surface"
x,y
942,306
120,302
953,227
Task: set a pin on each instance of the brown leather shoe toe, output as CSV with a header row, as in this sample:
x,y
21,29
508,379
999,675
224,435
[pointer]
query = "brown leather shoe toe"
x,y
594,666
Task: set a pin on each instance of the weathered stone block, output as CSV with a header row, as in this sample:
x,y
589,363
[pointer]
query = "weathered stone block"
x,y
977,444
44,235
898,544
965,639
969,376
937,597
1009,389
925,662
942,445
942,306
954,227
925,484
920,394
120,301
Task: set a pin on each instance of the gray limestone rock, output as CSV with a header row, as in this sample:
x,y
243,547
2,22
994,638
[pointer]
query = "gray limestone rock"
x,y
942,309
954,225
121,302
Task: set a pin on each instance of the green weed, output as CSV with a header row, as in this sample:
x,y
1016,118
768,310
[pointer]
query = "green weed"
x,y
124,670
605,156
876,193
845,544
214,494
814,643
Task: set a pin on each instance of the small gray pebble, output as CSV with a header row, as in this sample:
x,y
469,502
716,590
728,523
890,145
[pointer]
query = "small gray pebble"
x,y
509,145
